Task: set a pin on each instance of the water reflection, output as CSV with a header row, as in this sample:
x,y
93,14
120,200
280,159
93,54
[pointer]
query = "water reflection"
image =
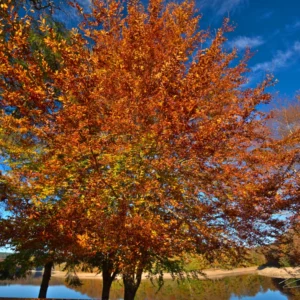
x,y
291,287
230,288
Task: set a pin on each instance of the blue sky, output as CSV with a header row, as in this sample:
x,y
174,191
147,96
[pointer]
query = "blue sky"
x,y
271,28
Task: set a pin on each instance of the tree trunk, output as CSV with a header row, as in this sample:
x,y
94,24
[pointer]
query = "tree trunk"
x,y
106,289
108,278
45,281
131,284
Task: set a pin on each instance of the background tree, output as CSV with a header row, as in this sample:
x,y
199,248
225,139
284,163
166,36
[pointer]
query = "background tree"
x,y
284,251
286,128
287,118
147,138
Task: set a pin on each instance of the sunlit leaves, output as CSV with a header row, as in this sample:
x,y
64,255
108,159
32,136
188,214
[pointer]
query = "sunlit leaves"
x,y
144,136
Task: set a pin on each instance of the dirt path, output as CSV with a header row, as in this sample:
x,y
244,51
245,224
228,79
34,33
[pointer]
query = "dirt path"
x,y
213,273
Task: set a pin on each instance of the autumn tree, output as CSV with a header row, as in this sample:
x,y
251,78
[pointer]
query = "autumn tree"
x,y
286,129
41,5
35,233
37,238
287,118
285,250
146,135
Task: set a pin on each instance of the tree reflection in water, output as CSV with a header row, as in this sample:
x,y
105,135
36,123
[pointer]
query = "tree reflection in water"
x,y
218,289
290,287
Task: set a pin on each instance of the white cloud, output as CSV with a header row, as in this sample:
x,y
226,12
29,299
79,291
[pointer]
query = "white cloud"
x,y
293,26
280,60
222,6
243,42
266,15
297,46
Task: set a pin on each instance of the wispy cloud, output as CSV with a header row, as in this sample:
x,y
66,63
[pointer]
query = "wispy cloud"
x,y
242,42
266,15
223,6
294,26
280,60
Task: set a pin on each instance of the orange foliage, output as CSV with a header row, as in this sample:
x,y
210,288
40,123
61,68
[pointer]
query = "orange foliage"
x,y
148,140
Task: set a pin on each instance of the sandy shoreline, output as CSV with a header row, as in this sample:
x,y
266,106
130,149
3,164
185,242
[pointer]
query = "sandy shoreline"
x,y
280,272
213,273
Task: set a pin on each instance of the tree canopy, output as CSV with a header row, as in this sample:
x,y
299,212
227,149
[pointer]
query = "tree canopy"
x,y
142,139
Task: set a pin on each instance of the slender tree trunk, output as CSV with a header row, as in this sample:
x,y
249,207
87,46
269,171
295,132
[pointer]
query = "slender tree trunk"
x,y
45,281
108,277
131,284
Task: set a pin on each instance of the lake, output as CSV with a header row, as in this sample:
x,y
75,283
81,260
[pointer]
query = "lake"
x,y
246,287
